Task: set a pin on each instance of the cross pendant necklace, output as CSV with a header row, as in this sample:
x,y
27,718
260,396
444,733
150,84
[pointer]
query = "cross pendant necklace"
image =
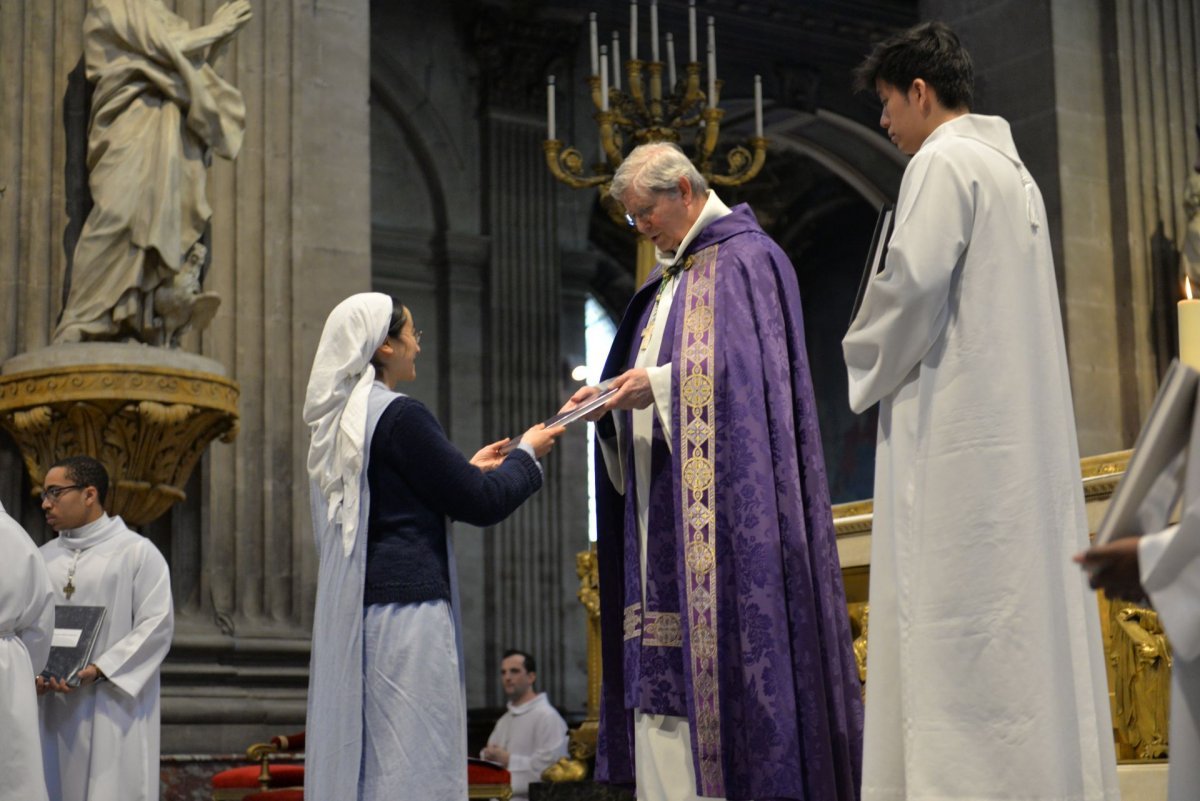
x,y
648,331
69,588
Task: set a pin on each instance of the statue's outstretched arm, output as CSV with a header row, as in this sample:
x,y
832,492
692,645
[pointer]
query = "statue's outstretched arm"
x,y
227,20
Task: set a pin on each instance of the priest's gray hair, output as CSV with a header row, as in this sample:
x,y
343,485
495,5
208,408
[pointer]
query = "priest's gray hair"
x,y
656,167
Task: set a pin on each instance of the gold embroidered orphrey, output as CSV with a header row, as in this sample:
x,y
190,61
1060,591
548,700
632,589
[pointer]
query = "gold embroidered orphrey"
x,y
696,447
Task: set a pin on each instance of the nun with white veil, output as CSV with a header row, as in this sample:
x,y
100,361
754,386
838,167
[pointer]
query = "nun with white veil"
x,y
386,707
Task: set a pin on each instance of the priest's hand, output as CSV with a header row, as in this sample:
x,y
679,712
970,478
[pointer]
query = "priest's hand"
x,y
1114,569
633,390
489,457
494,753
581,396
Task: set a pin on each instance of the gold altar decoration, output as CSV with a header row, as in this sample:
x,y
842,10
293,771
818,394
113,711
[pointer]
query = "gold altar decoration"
x,y
581,745
147,424
648,109
1139,660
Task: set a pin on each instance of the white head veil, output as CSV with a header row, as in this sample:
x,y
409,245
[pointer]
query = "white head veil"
x,y
335,404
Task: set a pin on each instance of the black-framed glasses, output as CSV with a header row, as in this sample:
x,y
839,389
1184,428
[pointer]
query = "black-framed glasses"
x,y
417,337
52,494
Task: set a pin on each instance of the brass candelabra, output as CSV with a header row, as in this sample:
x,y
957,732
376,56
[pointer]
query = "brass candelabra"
x,y
642,112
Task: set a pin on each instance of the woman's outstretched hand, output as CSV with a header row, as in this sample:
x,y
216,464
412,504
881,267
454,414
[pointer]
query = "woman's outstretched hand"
x,y
489,457
541,439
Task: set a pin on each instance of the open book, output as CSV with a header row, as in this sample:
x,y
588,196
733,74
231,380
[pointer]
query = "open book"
x,y
75,632
1154,480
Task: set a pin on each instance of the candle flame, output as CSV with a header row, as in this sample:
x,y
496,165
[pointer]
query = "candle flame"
x,y
1187,286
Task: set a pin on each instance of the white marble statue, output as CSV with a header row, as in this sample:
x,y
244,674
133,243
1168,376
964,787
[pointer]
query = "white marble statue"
x,y
1191,235
159,113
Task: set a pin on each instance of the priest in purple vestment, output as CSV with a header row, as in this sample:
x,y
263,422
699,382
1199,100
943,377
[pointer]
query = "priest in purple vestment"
x,y
728,667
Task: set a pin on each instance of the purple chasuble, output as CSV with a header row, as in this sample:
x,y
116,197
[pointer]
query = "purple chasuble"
x,y
745,628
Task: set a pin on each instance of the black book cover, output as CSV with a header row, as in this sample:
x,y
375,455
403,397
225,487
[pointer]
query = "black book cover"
x,y
875,255
75,632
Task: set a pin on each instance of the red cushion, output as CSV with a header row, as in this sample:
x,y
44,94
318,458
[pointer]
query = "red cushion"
x,y
480,772
247,776
277,795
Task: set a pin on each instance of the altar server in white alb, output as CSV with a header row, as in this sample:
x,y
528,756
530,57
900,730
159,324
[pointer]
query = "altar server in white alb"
x,y
26,626
1163,569
985,672
100,739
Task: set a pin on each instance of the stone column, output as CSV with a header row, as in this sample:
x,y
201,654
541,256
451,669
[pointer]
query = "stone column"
x,y
529,581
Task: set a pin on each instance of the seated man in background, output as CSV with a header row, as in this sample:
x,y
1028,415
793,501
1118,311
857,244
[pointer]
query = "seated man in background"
x,y
531,736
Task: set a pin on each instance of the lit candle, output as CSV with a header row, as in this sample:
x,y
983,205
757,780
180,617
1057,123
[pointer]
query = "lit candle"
x,y
616,62
550,107
671,61
603,78
654,30
1189,329
758,105
692,31
633,30
595,42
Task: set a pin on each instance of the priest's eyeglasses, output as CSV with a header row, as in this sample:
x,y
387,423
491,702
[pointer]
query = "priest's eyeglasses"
x,y
633,216
417,337
52,494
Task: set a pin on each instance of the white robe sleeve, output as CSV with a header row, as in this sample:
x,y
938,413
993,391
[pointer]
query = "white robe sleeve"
x,y
905,306
1169,564
36,625
550,736
660,386
133,660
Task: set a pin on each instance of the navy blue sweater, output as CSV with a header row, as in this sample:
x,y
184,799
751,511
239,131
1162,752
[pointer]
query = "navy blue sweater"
x,y
417,480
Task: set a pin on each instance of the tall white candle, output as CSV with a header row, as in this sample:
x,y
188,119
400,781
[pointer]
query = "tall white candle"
x,y
633,29
712,74
670,61
712,41
616,61
603,78
594,40
654,30
758,105
692,31
550,107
